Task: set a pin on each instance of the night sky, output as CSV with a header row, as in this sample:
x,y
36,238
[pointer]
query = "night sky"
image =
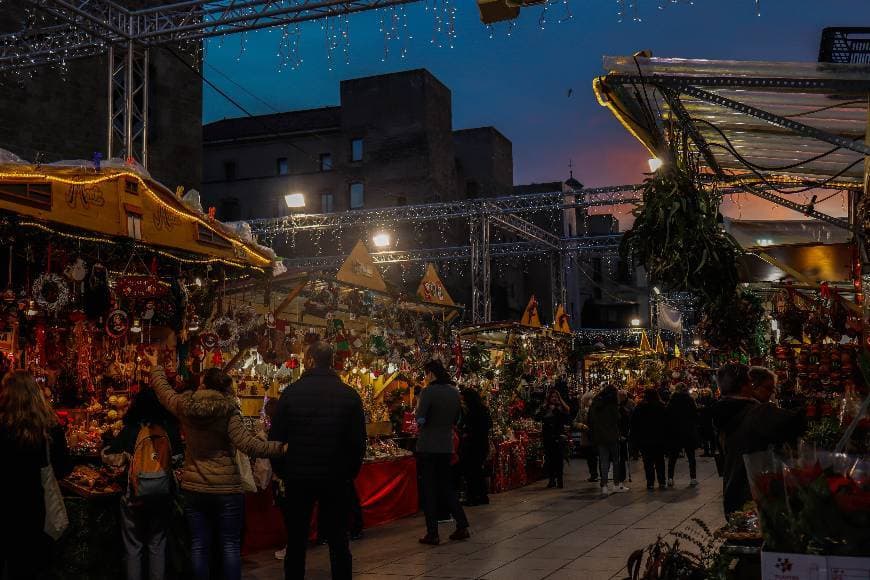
x,y
520,83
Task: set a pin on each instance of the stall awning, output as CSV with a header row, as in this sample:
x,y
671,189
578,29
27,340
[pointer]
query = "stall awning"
x,y
793,121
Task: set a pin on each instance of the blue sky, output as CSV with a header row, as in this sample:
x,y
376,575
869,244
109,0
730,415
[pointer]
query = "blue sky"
x,y
520,83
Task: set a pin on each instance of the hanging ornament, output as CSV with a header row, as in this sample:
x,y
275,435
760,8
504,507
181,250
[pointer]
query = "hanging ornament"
x,y
193,324
246,318
209,340
51,292
139,287
118,323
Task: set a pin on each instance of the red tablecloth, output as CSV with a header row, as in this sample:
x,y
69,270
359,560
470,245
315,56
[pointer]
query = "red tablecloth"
x,y
387,491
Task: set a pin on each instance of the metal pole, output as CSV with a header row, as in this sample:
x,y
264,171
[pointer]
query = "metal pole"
x,y
144,112
110,144
128,102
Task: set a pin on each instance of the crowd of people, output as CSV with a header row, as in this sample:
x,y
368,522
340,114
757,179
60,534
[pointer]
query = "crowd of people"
x,y
317,443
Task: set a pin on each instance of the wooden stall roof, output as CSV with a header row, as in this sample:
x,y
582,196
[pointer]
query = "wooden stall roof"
x,y
119,202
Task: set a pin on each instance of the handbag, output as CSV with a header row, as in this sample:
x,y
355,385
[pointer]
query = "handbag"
x,y
56,519
245,472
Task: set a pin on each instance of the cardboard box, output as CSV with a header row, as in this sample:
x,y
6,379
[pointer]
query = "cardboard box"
x,y
783,566
844,568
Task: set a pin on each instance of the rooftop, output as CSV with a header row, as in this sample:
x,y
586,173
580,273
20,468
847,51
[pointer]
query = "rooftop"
x,y
273,124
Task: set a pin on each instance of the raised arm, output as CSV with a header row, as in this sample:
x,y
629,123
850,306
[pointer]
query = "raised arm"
x,y
243,440
165,393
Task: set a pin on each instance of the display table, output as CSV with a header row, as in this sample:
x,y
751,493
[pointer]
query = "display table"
x,y
387,491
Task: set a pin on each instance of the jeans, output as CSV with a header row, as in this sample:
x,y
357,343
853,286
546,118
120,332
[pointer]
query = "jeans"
x,y
143,530
620,468
438,490
332,499
654,466
554,459
607,456
210,512
690,455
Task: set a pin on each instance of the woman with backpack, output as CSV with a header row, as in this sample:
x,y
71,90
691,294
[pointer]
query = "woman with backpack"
x,y
146,443
211,483
30,439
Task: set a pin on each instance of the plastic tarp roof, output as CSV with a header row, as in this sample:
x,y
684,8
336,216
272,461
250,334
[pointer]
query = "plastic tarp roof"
x,y
839,107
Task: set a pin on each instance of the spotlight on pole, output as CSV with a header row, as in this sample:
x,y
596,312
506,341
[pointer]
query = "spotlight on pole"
x,y
635,322
655,164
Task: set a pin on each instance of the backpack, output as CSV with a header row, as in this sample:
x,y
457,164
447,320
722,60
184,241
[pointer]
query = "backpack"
x,y
150,475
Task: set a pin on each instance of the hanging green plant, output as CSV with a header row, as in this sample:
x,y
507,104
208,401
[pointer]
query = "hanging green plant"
x,y
678,240
736,323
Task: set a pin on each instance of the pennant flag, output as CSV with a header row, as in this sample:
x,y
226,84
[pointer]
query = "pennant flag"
x,y
432,288
560,321
644,342
530,314
660,346
360,270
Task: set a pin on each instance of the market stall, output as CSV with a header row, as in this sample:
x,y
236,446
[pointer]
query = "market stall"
x,y
108,273
512,365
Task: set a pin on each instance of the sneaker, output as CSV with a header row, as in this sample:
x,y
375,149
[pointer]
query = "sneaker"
x,y
604,492
671,482
593,479
693,483
460,534
609,488
621,489
430,540
446,521
280,554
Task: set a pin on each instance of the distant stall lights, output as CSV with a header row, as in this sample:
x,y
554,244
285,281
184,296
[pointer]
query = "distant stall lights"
x,y
655,164
764,242
381,239
294,200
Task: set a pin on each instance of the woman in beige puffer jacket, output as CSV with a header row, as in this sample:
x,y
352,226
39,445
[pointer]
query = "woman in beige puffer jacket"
x,y
211,482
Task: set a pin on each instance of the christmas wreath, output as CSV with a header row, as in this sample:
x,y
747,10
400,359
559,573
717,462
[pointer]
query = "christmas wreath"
x,y
51,292
226,330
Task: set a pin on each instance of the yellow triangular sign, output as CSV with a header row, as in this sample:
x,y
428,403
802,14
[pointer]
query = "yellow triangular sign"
x,y
360,270
644,342
660,346
560,321
432,289
530,314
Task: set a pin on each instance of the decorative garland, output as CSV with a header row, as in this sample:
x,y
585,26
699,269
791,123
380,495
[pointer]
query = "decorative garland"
x,y
44,286
227,331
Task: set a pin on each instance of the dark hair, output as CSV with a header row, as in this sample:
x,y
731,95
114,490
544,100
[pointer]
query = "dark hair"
x,y
472,400
217,380
321,354
608,394
436,368
651,396
731,378
759,375
146,408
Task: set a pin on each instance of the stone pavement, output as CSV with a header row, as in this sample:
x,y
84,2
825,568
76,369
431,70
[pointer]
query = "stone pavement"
x,y
530,533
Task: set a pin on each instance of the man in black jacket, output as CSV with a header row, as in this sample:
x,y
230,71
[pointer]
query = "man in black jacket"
x,y
746,426
322,421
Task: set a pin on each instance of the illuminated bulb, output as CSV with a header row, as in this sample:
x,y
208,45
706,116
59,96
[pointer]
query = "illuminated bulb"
x,y
697,342
381,239
635,321
31,309
136,328
294,200
655,164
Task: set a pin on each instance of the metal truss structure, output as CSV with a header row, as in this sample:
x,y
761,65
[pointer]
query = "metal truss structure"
x,y
88,28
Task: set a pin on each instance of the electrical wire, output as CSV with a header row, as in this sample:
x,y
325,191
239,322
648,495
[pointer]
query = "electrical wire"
x,y
834,106
241,87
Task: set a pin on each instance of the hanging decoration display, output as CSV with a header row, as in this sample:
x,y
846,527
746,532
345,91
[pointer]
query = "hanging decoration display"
x,y
51,292
118,323
227,331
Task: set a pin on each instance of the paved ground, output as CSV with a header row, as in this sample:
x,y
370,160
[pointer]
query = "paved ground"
x,y
529,534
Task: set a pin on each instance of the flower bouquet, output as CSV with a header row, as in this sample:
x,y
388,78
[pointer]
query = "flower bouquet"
x,y
817,502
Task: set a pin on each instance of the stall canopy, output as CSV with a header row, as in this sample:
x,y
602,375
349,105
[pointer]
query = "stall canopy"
x,y
794,121
81,201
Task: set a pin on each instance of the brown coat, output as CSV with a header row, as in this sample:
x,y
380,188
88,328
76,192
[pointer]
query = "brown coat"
x,y
213,429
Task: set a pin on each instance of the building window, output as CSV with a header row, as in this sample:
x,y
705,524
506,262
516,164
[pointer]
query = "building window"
x,y
207,236
327,203
356,150
229,170
37,195
281,166
134,221
326,162
357,195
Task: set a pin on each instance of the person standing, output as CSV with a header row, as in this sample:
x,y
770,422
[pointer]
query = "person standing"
x,y
474,446
144,522
211,484
604,428
587,444
438,409
648,427
763,384
682,421
705,404
322,421
747,426
626,408
554,416
30,439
